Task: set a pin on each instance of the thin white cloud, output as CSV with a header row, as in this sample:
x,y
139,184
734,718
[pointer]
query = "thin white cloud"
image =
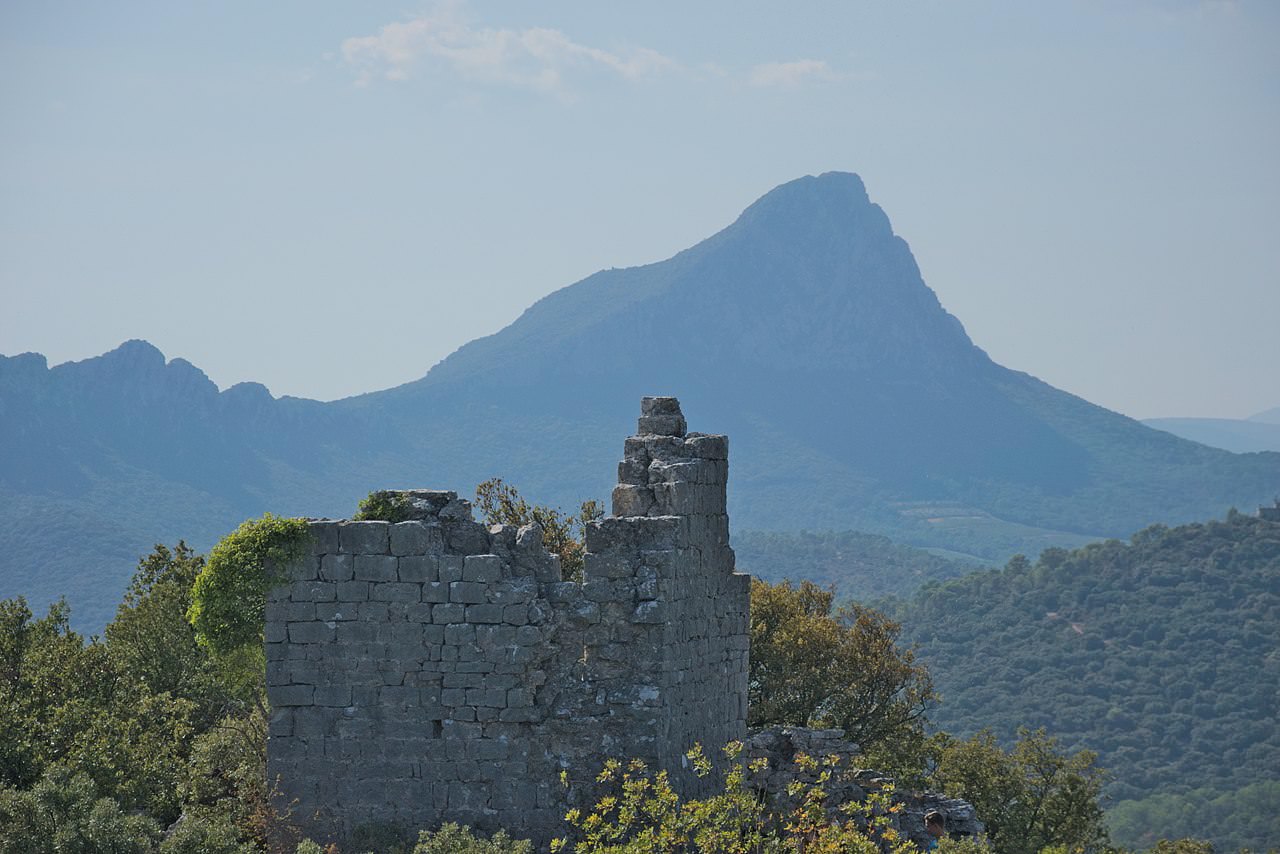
x,y
791,73
536,58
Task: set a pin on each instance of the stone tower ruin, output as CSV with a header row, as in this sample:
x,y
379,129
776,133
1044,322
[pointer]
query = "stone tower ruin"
x,y
437,670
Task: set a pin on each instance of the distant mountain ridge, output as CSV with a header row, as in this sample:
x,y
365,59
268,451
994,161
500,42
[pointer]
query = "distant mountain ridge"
x,y
1259,432
803,330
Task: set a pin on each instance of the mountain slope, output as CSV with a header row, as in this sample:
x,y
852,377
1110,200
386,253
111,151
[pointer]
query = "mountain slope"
x,y
1160,654
1241,436
803,330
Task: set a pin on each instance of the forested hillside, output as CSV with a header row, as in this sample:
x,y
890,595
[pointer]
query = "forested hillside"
x,y
1162,654
857,565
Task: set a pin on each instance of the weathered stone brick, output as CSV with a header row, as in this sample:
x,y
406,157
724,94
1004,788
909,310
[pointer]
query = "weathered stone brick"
x,y
292,695
467,592
484,613
419,568
416,538
483,568
435,592
395,591
364,538
337,567
352,591
376,568
451,612
311,632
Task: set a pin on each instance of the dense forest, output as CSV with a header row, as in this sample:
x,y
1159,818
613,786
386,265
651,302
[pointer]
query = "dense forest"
x,y
856,565
1162,654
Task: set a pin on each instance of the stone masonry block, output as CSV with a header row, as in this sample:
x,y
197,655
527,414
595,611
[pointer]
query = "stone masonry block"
x,y
484,613
324,536
292,695
632,500
659,405
468,538
661,425
312,591
634,472
335,611
514,590
419,568
299,611
467,592
352,591
482,568
450,612
656,533
332,695
364,538
337,567
305,568
459,633
608,567
310,632
435,592
451,568
376,568
650,612
416,538
395,591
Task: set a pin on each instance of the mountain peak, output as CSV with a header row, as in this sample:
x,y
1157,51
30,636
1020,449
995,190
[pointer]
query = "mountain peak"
x,y
839,198
829,186
137,352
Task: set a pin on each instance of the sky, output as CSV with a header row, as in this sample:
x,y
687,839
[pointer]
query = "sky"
x,y
329,198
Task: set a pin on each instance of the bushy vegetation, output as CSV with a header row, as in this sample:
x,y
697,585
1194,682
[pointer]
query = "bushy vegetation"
x,y
501,504
1238,817
105,744
641,813
1159,653
816,665
230,593
383,506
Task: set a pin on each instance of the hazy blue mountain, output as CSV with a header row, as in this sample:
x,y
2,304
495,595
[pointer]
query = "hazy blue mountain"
x,y
804,330
1239,435
1270,416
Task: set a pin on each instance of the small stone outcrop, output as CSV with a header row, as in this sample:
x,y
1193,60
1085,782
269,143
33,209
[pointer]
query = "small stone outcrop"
x,y
780,745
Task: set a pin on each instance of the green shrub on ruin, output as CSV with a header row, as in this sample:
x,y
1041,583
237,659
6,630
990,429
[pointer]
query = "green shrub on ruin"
x,y
562,534
452,838
383,506
230,593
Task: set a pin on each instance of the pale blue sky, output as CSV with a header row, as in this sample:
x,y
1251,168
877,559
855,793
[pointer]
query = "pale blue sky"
x,y
330,197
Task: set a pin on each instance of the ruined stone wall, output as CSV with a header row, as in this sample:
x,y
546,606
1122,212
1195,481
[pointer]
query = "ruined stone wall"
x,y
437,670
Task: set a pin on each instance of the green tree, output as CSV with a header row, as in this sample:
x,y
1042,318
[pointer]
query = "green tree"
x,y
150,637
228,599
1182,846
502,504
1031,797
64,813
815,666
